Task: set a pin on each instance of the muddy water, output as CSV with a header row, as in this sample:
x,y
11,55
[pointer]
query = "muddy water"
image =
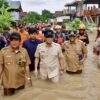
x,y
85,86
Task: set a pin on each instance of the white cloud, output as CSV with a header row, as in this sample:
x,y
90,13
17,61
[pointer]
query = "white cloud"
x,y
39,5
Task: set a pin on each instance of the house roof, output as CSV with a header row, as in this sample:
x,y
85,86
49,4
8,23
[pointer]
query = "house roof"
x,y
16,4
92,2
71,4
75,3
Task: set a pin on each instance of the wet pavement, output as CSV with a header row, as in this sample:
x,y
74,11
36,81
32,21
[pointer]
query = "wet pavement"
x,y
85,86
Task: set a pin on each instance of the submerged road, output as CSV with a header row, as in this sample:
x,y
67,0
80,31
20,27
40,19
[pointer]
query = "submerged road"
x,y
85,86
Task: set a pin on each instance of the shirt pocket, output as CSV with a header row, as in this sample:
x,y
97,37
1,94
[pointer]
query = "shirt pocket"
x,y
8,60
54,54
21,61
43,55
68,50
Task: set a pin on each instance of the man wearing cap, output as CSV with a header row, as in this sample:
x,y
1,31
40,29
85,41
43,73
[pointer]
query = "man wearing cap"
x,y
59,37
31,45
82,35
51,59
14,66
47,29
75,54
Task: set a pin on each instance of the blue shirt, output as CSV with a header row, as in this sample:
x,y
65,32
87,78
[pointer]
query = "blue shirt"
x,y
31,47
2,44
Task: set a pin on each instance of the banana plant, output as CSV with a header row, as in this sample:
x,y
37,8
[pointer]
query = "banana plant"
x,y
5,18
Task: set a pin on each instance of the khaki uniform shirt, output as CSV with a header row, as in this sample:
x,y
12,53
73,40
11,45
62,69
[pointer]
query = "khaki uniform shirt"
x,y
72,52
14,66
49,59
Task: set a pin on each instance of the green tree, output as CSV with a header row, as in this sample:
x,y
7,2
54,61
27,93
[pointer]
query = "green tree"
x,y
5,18
3,2
32,17
45,15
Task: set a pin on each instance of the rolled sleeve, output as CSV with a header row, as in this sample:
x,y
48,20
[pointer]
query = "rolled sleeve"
x,y
60,54
1,58
37,52
28,62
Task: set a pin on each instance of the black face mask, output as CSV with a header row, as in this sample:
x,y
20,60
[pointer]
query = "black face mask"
x,y
49,36
81,33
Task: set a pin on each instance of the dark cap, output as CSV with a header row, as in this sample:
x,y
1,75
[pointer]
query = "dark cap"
x,y
32,30
72,34
15,36
48,34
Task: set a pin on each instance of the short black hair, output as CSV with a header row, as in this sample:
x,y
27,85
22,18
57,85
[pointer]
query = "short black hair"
x,y
6,28
32,30
48,34
15,36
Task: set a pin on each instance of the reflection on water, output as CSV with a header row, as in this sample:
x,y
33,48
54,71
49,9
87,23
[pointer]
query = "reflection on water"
x,y
85,86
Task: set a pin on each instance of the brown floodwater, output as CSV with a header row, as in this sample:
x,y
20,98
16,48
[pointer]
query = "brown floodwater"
x,y
85,86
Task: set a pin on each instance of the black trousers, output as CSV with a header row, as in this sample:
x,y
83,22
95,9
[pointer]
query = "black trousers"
x,y
11,91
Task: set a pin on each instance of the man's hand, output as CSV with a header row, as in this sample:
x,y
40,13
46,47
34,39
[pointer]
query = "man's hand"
x,y
1,87
81,62
36,73
61,71
29,82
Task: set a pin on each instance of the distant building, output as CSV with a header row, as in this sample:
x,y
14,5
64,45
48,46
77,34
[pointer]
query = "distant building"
x,y
57,14
90,14
16,9
23,14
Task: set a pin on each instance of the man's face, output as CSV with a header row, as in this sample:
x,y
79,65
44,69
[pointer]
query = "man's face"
x,y
33,36
49,40
58,30
6,31
14,43
81,30
48,27
22,29
72,38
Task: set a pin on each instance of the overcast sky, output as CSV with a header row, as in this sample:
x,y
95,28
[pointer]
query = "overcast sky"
x,y
39,5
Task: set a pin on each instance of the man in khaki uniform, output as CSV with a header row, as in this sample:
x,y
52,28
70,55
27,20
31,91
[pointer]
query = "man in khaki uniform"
x,y
51,59
14,64
75,53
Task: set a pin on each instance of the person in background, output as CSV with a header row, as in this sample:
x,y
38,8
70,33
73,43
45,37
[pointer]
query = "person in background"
x,y
39,35
98,33
24,34
59,37
95,49
2,42
47,29
31,45
82,35
6,35
14,66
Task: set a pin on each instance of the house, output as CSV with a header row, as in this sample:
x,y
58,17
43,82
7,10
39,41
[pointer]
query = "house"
x,y
57,14
16,9
90,14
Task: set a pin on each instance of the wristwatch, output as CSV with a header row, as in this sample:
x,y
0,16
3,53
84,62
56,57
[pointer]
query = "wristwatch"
x,y
28,78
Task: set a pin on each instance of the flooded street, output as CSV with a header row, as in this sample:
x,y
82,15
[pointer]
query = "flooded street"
x,y
85,86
